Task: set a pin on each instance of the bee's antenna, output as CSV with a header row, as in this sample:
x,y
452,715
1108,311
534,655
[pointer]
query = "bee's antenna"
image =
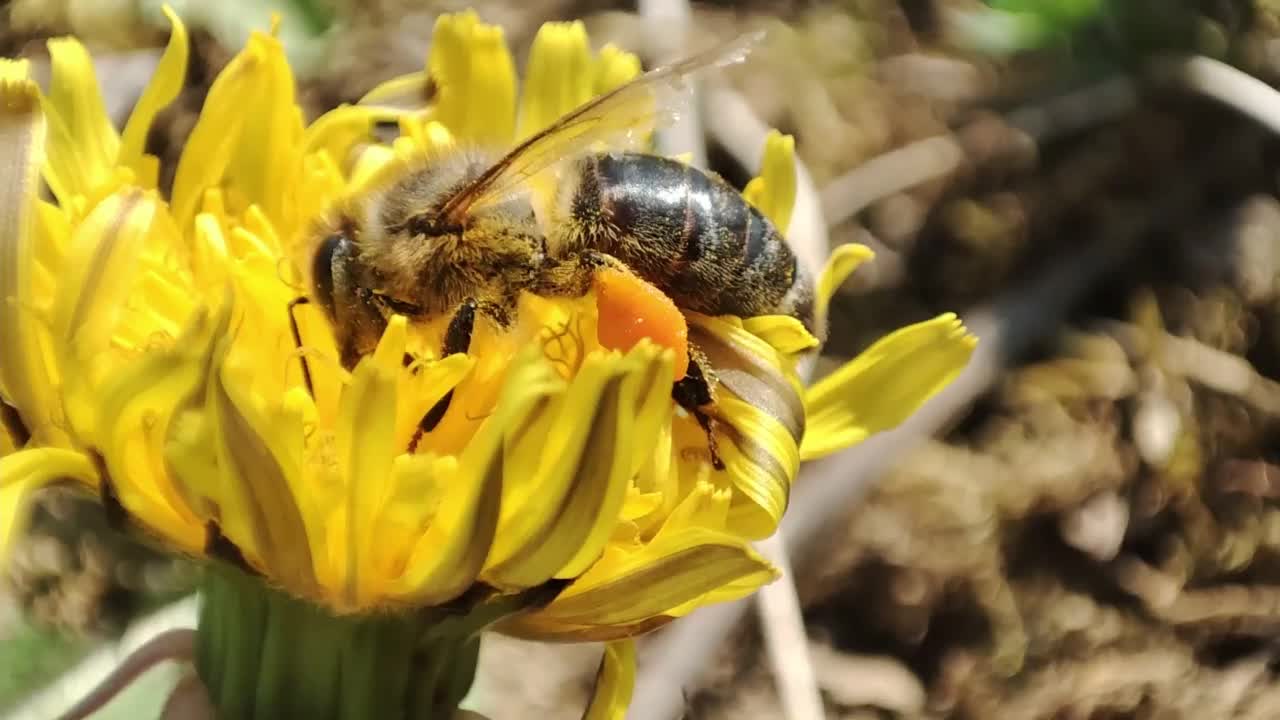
x,y
297,341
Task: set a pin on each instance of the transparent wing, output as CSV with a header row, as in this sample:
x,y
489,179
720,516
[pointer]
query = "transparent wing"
x,y
618,119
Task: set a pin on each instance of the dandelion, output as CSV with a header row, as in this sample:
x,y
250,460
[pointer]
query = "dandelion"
x,y
151,352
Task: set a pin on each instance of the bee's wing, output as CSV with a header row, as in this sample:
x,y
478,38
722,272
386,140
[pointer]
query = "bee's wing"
x,y
618,119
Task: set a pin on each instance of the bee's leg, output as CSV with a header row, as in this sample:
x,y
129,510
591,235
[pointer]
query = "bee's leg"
x,y
694,392
297,343
457,338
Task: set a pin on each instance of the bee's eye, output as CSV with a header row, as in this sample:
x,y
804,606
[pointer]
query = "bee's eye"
x,y
334,249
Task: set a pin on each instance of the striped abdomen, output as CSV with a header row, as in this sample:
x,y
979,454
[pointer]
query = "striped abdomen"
x,y
690,234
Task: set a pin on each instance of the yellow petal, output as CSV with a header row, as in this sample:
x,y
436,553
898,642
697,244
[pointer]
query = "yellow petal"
x,y
99,269
23,472
408,92
26,371
134,412
557,524
339,131
451,553
166,83
886,383
530,510
434,137
763,419
705,506
366,449
417,483
320,182
614,683
557,78
422,389
75,98
476,79
843,261
773,193
447,557
786,334
668,573
613,67
265,163
94,289
259,457
542,629
370,163
255,150
762,457
9,432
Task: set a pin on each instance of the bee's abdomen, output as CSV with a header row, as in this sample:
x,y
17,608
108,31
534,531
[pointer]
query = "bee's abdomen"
x,y
690,234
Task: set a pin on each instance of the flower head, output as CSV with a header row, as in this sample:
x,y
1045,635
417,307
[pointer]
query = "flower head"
x,y
152,350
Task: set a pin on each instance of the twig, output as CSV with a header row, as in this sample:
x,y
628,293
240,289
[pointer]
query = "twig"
x,y
95,670
177,644
782,623
881,681
1224,83
919,162
1215,369
1167,598
889,174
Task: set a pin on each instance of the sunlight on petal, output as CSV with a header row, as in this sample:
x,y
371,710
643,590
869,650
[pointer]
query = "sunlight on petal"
x,y
885,384
773,193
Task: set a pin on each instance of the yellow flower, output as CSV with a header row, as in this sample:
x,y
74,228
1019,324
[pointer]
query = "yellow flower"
x,y
147,347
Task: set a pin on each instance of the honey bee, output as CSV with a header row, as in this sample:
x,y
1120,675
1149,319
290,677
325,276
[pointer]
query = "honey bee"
x,y
456,234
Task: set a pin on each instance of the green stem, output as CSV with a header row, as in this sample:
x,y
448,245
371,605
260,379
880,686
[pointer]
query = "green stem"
x,y
265,654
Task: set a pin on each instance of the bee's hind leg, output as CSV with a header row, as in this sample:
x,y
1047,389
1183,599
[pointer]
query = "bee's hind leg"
x,y
457,339
694,393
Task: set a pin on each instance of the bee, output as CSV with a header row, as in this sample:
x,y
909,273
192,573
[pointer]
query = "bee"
x,y
456,234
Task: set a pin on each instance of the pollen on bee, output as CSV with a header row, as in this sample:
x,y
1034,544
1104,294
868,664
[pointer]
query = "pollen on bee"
x,y
631,309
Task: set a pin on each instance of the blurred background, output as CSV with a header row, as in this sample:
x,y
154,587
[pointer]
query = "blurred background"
x,y
1087,525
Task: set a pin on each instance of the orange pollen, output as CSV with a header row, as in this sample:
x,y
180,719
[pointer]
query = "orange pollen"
x,y
631,309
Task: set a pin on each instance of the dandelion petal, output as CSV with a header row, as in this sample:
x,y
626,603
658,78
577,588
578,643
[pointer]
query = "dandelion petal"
x,y
615,681
26,377
669,572
773,193
885,384
165,85
24,471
